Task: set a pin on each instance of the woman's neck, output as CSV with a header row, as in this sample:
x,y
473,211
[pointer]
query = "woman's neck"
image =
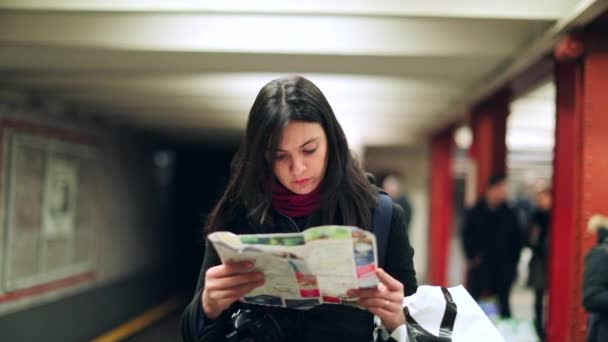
x,y
295,205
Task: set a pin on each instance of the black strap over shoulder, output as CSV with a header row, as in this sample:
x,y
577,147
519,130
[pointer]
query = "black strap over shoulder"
x,y
382,225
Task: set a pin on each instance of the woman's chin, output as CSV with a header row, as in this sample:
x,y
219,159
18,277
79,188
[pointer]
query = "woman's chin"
x,y
302,190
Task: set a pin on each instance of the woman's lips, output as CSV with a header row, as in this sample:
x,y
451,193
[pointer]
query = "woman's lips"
x,y
302,181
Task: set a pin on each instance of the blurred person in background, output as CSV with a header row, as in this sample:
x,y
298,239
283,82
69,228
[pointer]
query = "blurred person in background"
x,y
525,204
492,243
595,281
526,201
391,184
538,240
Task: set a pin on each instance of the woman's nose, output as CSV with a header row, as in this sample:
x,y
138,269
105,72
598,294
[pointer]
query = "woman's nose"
x,y
298,166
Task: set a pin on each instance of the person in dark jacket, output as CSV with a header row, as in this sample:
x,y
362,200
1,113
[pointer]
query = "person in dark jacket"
x,y
538,240
293,171
492,244
595,281
391,183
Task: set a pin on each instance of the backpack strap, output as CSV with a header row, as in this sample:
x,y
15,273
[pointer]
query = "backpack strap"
x,y
382,225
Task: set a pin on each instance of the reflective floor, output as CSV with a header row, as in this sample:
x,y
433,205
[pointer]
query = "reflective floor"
x,y
520,328
167,330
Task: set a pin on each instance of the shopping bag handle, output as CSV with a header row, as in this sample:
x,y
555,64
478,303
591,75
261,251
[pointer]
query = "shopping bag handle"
x,y
416,333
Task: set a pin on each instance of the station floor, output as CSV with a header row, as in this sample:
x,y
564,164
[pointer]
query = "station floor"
x,y
520,328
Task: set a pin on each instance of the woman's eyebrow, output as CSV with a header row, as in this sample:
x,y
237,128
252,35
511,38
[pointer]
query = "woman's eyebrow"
x,y
304,144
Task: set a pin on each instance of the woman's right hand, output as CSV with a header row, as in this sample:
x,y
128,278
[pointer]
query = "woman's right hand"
x,y
227,283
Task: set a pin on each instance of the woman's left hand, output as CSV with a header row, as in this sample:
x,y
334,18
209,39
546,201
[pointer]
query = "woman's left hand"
x,y
385,301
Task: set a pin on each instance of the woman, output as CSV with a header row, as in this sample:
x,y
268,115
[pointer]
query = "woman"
x,y
595,281
294,171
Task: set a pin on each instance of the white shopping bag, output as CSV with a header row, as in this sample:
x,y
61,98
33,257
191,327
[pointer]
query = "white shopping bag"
x,y
453,310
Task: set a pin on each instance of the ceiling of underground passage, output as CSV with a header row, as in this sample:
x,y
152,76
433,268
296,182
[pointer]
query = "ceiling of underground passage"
x,y
392,70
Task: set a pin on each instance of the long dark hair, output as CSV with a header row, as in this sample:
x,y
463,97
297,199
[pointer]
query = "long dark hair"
x,y
347,196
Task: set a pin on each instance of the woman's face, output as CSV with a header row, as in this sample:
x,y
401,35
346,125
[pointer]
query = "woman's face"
x,y
301,157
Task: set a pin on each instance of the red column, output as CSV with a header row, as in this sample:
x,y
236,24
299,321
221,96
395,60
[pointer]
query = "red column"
x,y
489,150
580,167
442,205
566,176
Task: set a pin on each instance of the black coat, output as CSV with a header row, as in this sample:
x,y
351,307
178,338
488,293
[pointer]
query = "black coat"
x,y
325,322
595,291
537,275
493,236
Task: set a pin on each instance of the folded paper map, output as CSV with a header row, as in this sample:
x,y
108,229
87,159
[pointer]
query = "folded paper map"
x,y
306,269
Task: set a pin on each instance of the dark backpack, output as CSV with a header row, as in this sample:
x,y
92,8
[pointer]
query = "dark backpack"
x,y
382,225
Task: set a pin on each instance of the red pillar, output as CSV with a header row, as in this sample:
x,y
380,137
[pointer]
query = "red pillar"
x,y
564,244
489,150
580,168
442,205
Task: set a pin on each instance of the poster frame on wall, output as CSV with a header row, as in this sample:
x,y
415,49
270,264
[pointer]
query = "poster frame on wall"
x,y
61,160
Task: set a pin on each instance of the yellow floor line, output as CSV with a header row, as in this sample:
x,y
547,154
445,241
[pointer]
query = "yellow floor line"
x,y
140,322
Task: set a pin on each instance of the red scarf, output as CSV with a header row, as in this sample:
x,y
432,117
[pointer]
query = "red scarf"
x,y
292,204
